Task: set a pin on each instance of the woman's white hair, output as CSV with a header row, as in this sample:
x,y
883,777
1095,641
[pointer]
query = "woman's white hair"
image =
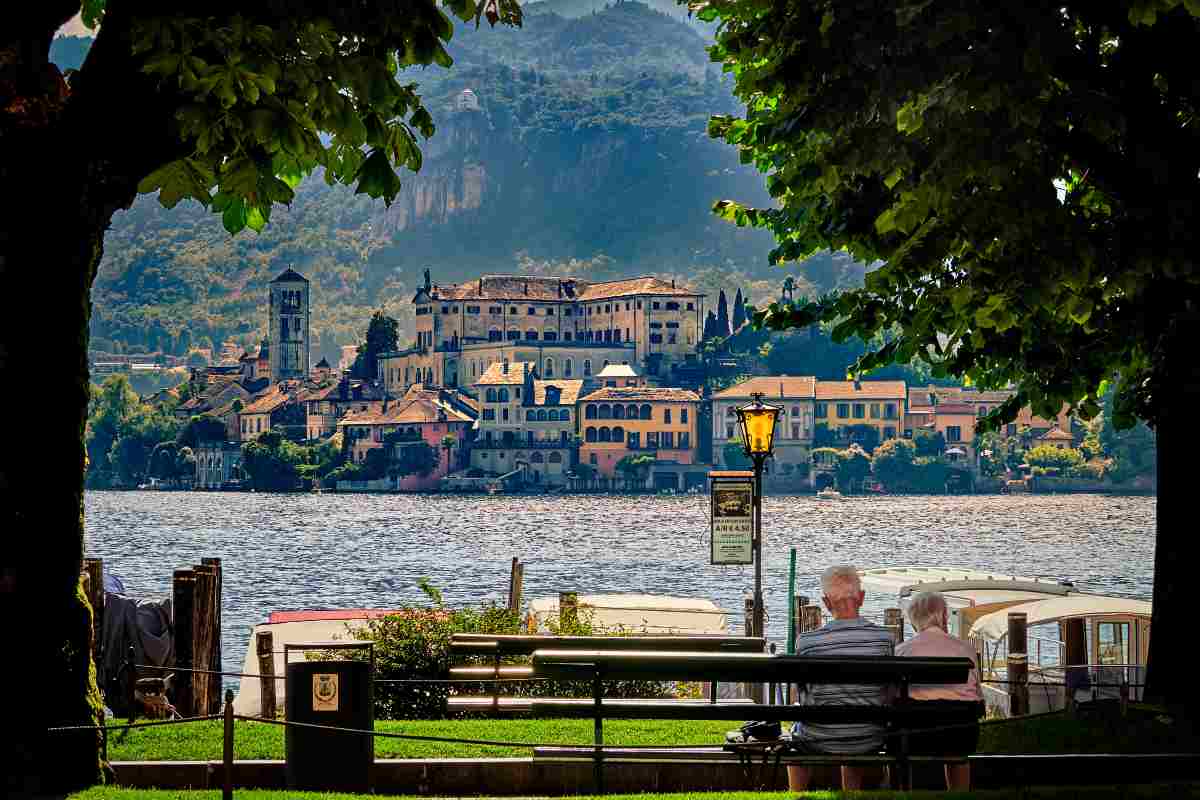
x,y
925,610
840,582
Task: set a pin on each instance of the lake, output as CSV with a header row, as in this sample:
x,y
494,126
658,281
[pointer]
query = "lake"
x,y
307,551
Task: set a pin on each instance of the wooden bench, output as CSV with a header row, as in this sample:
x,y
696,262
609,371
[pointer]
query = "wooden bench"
x,y
601,665
497,647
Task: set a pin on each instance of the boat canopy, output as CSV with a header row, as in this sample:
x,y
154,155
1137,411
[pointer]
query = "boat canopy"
x,y
994,626
639,613
970,585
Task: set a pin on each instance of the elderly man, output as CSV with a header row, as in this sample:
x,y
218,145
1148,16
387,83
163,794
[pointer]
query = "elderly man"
x,y
847,634
930,618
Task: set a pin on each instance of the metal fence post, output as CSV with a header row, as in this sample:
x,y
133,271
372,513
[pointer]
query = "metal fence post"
x,y
227,755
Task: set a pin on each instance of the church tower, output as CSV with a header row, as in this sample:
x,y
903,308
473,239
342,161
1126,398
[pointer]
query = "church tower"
x,y
288,327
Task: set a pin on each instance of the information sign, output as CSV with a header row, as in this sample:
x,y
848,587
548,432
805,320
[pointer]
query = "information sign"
x,y
732,521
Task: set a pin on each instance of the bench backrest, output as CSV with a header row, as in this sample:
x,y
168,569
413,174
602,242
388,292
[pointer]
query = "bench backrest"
x,y
752,667
509,645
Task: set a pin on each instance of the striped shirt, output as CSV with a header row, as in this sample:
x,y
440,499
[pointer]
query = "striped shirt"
x,y
843,637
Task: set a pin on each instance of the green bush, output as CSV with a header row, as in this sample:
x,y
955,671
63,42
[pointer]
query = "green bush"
x,y
414,643
1051,457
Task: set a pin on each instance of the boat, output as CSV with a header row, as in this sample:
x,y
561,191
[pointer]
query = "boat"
x,y
1116,630
645,614
153,484
829,493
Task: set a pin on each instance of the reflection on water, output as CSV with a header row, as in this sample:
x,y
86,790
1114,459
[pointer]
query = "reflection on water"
x,y
349,551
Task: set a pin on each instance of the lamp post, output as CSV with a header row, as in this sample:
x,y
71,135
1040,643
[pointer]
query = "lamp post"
x,y
757,421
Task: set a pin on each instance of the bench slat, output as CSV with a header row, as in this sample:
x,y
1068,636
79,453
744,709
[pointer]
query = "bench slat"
x,y
488,673
751,667
702,710
512,645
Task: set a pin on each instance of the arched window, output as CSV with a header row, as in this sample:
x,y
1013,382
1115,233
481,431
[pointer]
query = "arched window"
x,y
590,434
605,435
566,336
537,458
555,457
618,411
491,395
568,368
472,369
605,411
429,376
530,415
590,411
494,335
587,367
541,415
549,367
645,411
631,411
513,336
531,334
502,396
618,434
564,415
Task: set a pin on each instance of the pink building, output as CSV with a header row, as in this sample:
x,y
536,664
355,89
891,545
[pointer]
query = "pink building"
x,y
426,415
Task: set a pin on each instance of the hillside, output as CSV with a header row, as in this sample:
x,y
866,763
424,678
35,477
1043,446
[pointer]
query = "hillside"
x,y
587,152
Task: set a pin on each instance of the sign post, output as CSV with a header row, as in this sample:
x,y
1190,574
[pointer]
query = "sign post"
x,y
732,520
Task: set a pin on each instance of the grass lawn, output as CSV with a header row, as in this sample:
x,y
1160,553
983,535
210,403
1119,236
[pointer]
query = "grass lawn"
x,y
1141,731
1152,792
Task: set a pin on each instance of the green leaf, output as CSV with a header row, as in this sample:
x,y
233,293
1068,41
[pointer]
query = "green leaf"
x,y
236,216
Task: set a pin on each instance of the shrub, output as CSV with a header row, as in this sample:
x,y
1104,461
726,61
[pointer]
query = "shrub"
x,y
1047,456
893,463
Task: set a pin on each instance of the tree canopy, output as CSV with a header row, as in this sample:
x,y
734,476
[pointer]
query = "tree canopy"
x,y
383,335
1027,175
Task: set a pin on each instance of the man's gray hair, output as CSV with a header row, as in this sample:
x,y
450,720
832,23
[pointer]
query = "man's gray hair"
x,y
840,582
925,610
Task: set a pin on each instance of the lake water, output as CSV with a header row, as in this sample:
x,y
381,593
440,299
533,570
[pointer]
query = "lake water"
x,y
284,552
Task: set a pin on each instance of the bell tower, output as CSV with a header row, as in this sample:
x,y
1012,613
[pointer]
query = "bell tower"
x,y
288,321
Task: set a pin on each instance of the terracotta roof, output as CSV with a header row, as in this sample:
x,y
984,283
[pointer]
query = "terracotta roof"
x,y
919,395
568,391
954,408
415,411
782,386
506,373
542,289
639,393
864,390
1057,434
278,395
290,275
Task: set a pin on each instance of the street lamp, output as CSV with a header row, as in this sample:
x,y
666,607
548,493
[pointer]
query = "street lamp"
x,y
758,438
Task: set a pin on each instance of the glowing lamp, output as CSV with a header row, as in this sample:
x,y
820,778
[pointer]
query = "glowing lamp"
x,y
758,426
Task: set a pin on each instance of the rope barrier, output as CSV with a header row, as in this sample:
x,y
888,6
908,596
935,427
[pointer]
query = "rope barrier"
x,y
129,725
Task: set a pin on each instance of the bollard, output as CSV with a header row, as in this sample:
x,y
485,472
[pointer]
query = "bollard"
x,y
1018,664
893,620
265,647
227,754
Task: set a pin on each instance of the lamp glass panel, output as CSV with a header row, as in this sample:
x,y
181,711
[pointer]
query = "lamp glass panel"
x,y
759,425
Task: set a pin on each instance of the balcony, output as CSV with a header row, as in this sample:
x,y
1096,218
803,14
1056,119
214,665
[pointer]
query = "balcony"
x,y
518,444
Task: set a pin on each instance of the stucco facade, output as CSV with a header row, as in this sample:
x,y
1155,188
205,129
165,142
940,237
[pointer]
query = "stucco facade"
x,y
618,422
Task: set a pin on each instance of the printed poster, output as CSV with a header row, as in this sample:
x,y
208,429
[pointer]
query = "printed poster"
x,y
733,522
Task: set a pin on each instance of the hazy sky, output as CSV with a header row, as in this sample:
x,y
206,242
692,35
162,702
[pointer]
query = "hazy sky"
x,y
74,28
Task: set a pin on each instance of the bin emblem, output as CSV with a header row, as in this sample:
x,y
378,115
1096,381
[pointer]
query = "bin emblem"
x,y
325,691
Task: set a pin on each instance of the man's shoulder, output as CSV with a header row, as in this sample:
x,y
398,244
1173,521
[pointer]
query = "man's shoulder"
x,y
843,631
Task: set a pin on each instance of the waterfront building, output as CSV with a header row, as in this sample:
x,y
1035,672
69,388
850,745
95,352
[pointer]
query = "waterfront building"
x,y
927,399
326,403
422,415
795,397
217,463
570,328
956,423
840,408
279,408
1057,438
288,326
619,422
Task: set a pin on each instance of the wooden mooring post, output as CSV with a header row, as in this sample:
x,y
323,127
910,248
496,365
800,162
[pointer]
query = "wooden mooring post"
x,y
183,587
893,620
516,584
265,648
1018,664
215,656
204,684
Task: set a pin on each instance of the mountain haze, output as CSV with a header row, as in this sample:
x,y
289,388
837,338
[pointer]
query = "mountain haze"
x,y
587,153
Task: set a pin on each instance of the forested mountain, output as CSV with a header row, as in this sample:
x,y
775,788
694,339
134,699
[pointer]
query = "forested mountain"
x,y
586,152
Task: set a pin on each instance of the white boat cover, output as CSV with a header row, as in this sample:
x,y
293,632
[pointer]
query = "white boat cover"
x,y
248,699
970,585
639,613
994,626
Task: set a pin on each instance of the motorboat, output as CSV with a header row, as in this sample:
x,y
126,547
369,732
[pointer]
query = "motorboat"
x,y
829,493
1116,630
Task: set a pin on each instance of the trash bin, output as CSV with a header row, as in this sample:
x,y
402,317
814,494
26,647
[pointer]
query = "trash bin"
x,y
335,693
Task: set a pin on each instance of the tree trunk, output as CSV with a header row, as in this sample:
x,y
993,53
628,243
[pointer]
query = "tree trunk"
x,y
51,679
1169,668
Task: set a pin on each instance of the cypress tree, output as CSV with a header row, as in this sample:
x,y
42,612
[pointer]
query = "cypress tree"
x,y
739,311
722,315
710,325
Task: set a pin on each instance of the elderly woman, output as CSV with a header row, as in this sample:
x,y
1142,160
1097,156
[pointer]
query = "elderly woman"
x,y
929,617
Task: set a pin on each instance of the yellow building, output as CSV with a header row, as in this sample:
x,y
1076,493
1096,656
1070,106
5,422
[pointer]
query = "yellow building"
x,y
839,405
617,422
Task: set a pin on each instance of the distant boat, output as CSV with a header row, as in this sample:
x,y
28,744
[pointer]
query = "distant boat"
x,y
151,484
829,493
